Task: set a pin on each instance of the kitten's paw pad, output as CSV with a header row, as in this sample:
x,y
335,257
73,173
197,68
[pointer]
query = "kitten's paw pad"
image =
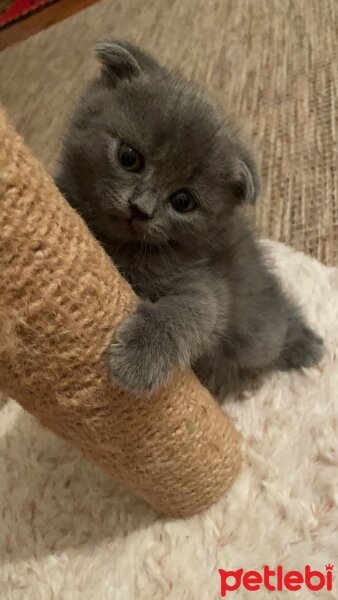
x,y
307,350
138,359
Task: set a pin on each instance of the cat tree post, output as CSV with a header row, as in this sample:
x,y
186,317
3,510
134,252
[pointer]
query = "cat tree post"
x,y
61,301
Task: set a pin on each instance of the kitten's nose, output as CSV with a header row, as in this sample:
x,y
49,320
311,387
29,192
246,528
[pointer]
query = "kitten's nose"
x,y
138,214
142,207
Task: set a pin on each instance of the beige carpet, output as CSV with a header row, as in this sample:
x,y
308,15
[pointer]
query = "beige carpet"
x,y
68,532
270,63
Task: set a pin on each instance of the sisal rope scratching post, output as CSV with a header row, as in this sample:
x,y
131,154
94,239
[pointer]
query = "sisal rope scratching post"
x,y
61,300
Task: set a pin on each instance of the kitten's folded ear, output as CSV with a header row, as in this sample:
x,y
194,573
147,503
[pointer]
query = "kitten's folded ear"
x,y
122,60
245,184
118,62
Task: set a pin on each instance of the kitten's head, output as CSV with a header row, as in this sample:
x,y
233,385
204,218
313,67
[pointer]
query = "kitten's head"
x,y
148,158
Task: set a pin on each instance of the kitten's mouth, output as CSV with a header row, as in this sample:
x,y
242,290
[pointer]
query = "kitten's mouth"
x,y
128,226
133,224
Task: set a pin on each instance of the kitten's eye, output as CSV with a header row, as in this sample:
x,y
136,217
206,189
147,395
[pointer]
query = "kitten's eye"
x,y
130,159
182,201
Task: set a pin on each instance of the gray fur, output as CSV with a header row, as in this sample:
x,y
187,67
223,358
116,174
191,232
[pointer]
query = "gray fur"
x,y
206,295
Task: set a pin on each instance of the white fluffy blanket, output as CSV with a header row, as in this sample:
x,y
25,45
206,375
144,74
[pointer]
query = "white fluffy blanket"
x,y
67,532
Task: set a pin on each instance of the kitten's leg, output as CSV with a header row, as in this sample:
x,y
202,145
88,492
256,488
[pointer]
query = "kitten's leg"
x,y
220,374
158,337
285,342
302,346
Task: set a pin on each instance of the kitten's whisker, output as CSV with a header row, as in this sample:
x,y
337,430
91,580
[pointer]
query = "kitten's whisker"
x,y
167,256
161,251
171,250
143,250
146,248
161,247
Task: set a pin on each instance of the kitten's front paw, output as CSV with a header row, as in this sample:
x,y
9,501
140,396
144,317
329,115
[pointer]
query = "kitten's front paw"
x,y
141,359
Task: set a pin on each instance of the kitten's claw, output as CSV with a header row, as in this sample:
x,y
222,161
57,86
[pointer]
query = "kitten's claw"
x,y
139,361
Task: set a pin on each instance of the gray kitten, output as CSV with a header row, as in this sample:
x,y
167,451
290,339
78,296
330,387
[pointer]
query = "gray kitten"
x,y
160,176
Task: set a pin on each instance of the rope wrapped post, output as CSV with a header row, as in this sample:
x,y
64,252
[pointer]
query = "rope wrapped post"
x,y
61,300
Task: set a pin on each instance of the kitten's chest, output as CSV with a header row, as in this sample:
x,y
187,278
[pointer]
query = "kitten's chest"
x,y
149,277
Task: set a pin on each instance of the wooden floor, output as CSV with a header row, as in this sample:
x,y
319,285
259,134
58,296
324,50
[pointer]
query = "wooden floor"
x,y
43,18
